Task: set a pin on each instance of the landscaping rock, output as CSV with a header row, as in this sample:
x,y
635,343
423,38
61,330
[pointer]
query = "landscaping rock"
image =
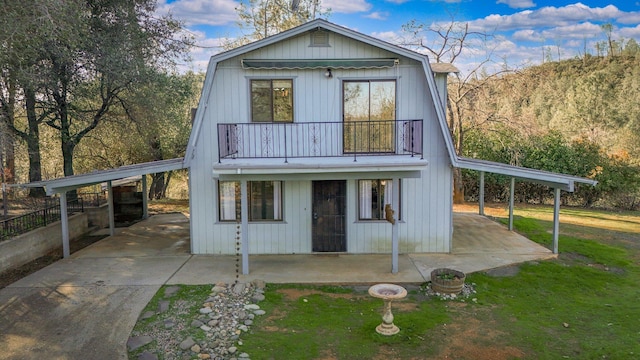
x,y
196,323
168,324
239,288
257,297
147,356
136,342
147,314
224,316
187,343
163,306
259,284
171,290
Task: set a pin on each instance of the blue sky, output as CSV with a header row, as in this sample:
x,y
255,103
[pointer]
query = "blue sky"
x,y
522,30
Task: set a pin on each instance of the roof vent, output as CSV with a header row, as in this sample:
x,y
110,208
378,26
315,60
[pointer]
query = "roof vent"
x,y
320,38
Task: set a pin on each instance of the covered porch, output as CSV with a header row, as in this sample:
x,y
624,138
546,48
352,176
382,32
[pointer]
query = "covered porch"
x,y
478,244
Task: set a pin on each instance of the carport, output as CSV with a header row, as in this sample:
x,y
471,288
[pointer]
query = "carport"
x,y
66,184
555,181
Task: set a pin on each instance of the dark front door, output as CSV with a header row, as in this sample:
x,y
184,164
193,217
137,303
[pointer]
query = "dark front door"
x,y
328,224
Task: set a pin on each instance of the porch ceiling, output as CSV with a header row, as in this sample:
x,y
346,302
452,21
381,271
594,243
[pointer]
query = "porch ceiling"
x,y
318,168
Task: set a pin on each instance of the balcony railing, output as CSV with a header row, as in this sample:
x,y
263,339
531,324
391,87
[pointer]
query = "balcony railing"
x,y
320,139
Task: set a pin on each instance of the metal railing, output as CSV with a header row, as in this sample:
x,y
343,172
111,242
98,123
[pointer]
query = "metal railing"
x,y
49,214
320,139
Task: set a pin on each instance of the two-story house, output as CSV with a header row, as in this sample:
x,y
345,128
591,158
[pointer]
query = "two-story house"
x,y
302,138
320,139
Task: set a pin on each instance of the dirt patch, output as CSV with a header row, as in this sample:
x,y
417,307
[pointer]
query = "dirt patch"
x,y
470,338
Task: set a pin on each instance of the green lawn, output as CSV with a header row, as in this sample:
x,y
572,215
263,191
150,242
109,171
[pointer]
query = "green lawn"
x,y
584,305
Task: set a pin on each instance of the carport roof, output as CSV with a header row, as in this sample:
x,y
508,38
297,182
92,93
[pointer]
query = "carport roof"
x,y
554,180
73,182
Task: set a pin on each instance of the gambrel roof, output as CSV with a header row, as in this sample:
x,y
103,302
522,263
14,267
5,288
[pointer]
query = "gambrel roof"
x,y
555,180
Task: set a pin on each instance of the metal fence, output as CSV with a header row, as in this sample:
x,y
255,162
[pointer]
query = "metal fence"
x,y
49,214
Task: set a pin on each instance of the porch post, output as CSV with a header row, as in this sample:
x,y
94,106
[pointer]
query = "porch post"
x,y
556,219
145,198
64,222
511,196
112,221
244,229
395,205
481,196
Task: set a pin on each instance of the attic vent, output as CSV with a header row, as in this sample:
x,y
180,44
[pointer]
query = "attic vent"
x,y
320,38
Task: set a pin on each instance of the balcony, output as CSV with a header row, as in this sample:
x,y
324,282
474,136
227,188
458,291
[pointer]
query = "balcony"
x,y
320,139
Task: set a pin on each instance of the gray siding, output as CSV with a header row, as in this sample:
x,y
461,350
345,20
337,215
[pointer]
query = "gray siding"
x,y
426,202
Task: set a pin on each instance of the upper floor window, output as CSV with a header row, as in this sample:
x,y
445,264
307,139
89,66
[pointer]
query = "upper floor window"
x,y
272,100
369,109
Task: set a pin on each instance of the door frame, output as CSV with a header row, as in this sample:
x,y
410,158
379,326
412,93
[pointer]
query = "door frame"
x,y
340,247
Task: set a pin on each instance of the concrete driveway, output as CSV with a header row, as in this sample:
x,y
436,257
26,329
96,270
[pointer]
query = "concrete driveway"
x,y
84,307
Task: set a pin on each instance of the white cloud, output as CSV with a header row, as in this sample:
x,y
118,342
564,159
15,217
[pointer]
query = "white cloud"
x,y
201,12
576,31
377,15
388,36
630,18
630,32
397,1
517,4
527,35
346,7
548,16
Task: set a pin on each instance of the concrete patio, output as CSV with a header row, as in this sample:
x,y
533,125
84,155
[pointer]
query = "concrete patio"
x,y
85,306
478,244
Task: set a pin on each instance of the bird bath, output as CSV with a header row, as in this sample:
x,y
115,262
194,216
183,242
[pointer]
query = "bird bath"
x,y
388,293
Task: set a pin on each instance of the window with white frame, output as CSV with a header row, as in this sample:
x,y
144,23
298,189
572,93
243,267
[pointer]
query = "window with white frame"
x,y
264,198
373,195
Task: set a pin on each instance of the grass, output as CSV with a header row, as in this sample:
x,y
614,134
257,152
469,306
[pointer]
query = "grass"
x,y
301,316
584,305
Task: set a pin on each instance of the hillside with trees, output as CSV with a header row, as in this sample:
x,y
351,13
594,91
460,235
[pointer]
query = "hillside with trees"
x,y
579,116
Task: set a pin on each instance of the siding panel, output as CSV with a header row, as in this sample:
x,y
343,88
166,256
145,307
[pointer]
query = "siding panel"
x,y
426,220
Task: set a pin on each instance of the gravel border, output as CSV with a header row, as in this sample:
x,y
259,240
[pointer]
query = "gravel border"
x,y
214,332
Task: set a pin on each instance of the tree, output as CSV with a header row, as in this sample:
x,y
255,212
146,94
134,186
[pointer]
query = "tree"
x,y
259,19
114,45
24,30
607,28
445,42
161,114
